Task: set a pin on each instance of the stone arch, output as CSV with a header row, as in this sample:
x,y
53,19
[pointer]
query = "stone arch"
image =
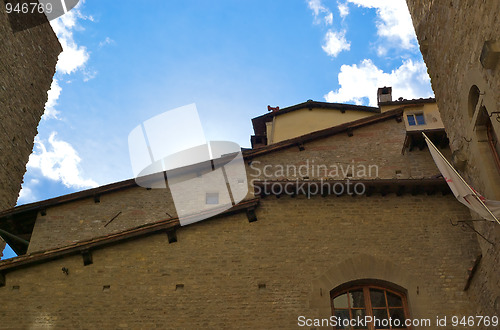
x,y
474,80
474,94
363,267
476,105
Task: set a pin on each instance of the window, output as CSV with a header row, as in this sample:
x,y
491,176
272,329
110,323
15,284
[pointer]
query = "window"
x,y
212,198
378,302
416,119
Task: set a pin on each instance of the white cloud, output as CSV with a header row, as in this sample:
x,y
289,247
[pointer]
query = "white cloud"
x,y
72,58
89,75
26,195
318,9
107,41
53,96
394,21
410,80
329,19
59,161
335,42
343,9
315,6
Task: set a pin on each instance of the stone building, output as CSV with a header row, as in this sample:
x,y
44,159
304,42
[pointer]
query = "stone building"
x,y
460,43
27,64
347,220
346,214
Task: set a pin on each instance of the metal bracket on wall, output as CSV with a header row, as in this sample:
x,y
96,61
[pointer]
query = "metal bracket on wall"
x,y
495,113
113,218
465,224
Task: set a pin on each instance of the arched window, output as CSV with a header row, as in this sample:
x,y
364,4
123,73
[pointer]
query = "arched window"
x,y
485,127
376,301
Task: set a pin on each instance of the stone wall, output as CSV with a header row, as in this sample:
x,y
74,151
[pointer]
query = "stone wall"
x,y
379,145
27,64
373,152
452,36
228,273
84,219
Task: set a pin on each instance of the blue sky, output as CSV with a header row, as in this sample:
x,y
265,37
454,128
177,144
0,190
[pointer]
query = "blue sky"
x,y
127,61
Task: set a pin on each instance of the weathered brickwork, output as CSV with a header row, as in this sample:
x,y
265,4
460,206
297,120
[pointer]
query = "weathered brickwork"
x,y
228,273
451,35
84,219
221,262
27,65
376,148
372,152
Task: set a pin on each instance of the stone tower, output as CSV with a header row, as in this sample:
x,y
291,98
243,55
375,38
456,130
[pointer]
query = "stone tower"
x,y
27,64
460,43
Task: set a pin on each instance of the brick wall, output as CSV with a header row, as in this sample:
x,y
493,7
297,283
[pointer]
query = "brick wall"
x,y
377,145
85,219
221,262
451,35
27,65
228,273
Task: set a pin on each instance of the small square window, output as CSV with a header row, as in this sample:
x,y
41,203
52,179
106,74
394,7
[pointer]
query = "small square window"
x,y
416,119
212,198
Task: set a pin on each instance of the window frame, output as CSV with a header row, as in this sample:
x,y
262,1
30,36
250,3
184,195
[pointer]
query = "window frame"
x,y
368,308
415,120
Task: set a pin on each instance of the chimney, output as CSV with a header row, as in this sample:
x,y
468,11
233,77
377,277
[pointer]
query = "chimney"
x,y
384,94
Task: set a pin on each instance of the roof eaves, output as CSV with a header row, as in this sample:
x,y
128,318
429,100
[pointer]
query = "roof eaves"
x,y
69,197
326,187
407,102
322,105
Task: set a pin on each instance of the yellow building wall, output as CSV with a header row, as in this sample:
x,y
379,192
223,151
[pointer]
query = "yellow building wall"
x,y
304,121
431,115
